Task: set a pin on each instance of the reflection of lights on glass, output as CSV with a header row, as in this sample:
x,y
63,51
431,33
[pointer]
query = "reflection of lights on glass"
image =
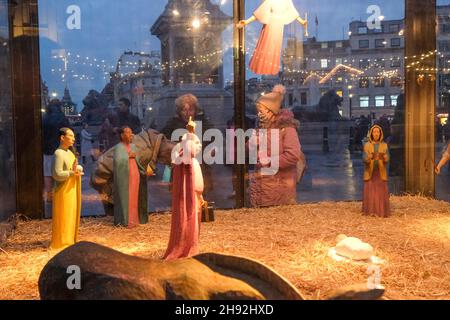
x,y
222,2
385,42
349,33
381,18
43,110
401,32
54,94
150,109
350,87
351,95
176,12
196,23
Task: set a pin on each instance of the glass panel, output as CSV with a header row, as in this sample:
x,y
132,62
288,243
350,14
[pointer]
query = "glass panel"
x,y
333,129
443,99
7,161
149,52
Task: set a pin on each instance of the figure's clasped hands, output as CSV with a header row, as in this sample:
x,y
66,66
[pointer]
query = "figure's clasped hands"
x,y
77,170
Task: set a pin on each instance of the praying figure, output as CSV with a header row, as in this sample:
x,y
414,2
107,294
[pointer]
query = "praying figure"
x,y
187,199
66,192
128,209
274,15
376,160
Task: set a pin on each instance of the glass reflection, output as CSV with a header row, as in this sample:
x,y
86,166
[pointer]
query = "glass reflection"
x,y
443,95
104,74
341,79
7,161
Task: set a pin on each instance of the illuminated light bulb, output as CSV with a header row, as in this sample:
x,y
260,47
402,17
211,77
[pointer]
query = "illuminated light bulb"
x,y
196,23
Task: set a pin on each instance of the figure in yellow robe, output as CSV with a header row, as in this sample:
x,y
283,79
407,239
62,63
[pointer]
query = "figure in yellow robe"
x,y
67,193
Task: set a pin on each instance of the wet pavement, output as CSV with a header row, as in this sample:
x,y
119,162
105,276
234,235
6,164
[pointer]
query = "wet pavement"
x,y
331,176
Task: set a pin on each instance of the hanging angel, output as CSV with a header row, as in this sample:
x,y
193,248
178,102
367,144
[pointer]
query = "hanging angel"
x,y
274,14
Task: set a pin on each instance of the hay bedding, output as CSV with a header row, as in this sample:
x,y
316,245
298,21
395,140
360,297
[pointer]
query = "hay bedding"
x,y
294,240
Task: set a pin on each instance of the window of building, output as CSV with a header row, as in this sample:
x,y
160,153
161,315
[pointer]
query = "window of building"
x,y
324,63
379,101
338,61
394,100
378,82
363,44
379,63
364,101
394,28
396,63
324,45
339,44
396,82
363,63
379,30
303,98
364,82
444,45
380,43
362,30
395,42
339,80
445,28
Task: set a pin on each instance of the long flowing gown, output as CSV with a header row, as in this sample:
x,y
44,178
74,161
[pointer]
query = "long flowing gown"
x,y
274,15
126,186
376,193
186,202
133,217
66,201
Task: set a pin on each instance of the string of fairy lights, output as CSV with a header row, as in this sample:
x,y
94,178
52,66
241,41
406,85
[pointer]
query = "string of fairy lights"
x,y
78,60
412,63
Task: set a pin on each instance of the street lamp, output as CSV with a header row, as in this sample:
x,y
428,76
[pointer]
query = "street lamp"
x,y
350,105
350,95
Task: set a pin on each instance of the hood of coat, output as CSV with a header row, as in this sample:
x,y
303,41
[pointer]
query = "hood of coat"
x,y
285,119
381,134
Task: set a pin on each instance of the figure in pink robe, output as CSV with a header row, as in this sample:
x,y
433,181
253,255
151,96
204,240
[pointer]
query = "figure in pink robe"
x,y
274,15
187,197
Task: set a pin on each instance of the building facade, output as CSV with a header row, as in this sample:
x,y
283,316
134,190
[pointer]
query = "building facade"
x,y
138,78
366,70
